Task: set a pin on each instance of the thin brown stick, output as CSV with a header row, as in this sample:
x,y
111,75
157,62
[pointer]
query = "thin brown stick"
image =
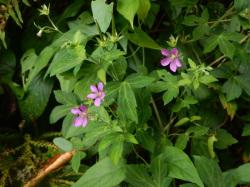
x,y
58,162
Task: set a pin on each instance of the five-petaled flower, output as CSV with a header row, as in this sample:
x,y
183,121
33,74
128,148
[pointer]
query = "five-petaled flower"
x,y
81,114
171,58
97,94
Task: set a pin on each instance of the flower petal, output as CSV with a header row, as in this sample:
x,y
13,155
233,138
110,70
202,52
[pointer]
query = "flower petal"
x,y
83,108
75,111
166,61
174,51
165,52
102,95
177,62
92,96
93,88
173,67
100,86
84,122
97,102
78,121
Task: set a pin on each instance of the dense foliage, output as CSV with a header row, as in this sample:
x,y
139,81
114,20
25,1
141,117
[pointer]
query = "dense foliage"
x,y
145,93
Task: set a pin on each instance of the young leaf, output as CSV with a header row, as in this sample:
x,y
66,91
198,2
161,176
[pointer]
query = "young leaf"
x,y
128,9
76,160
104,173
63,144
102,13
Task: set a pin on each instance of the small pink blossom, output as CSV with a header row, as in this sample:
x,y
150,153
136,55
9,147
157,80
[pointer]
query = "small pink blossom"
x,y
81,114
97,94
171,58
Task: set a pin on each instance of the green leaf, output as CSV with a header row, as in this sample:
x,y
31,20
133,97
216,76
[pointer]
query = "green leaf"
x,y
118,69
170,94
36,98
144,8
137,176
116,151
58,112
180,166
232,89
142,39
102,13
200,31
146,141
41,62
139,81
182,121
128,9
28,60
66,59
193,20
76,160
242,173
197,131
243,81
182,141
226,47
127,102
104,174
211,44
246,130
206,79
63,144
160,172
225,139
241,4
65,98
209,171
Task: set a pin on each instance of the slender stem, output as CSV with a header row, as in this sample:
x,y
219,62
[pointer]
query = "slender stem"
x,y
143,56
171,121
54,26
157,113
227,13
223,56
219,21
137,154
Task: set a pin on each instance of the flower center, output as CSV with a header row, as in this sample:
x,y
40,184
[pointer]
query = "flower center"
x,y
83,114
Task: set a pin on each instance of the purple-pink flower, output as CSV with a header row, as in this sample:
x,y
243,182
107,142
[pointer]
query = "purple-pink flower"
x,y
171,58
97,94
81,114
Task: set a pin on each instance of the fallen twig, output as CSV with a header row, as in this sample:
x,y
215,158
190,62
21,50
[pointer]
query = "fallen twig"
x,y
55,163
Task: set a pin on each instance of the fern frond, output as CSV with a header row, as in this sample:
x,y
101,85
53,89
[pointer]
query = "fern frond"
x,y
43,144
51,135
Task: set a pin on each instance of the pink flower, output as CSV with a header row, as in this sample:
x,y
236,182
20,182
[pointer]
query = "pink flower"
x,y
171,59
97,94
81,114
